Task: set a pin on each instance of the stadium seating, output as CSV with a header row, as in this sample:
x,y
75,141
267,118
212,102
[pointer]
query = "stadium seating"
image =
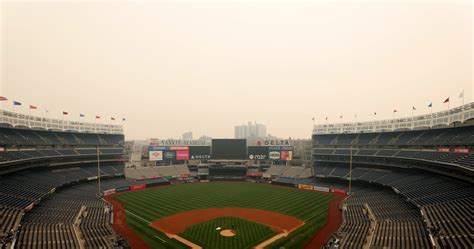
x,y
26,137
408,175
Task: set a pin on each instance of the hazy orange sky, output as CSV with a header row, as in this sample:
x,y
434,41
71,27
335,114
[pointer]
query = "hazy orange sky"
x,y
202,66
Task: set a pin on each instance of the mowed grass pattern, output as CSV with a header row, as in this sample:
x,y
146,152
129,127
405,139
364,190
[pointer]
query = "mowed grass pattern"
x,y
248,234
144,207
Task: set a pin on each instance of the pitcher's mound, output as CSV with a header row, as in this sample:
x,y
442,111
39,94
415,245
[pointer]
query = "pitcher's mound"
x,y
228,233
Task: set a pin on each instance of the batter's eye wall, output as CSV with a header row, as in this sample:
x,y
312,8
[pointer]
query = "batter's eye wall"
x,y
229,149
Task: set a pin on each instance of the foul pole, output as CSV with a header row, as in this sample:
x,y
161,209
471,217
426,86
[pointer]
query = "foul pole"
x,y
98,167
350,171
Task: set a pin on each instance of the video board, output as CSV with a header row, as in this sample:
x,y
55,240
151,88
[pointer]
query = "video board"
x,y
229,149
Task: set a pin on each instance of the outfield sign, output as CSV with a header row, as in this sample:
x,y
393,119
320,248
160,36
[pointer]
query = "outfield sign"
x,y
304,186
156,155
274,155
321,189
273,142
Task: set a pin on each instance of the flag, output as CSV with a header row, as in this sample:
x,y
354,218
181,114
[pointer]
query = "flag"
x,y
81,115
313,119
16,102
3,98
462,94
326,118
65,113
112,118
394,111
123,119
413,108
33,107
97,117
375,113
446,100
340,116
431,104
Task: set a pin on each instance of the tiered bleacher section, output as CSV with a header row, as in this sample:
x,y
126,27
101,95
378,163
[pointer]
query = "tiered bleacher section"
x,y
34,165
168,172
73,216
427,172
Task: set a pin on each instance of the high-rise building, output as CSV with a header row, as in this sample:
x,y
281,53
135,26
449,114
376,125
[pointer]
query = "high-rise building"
x,y
250,130
187,135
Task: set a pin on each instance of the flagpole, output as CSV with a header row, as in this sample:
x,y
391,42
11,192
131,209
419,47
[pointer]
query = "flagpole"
x,y
431,111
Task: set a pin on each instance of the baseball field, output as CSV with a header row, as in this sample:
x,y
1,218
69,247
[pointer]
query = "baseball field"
x,y
224,215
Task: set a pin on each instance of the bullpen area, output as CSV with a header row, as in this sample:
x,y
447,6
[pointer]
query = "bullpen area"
x,y
222,215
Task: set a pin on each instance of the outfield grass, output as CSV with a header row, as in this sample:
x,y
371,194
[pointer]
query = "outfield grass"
x,y
144,207
248,234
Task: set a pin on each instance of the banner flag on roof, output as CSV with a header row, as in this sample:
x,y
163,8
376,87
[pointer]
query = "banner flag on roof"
x,y
3,98
446,100
394,110
112,118
65,113
81,115
97,117
413,108
33,107
16,102
431,104
123,119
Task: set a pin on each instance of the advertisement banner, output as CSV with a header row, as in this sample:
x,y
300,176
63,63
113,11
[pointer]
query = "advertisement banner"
x,y
274,155
179,148
109,192
304,186
156,155
122,189
267,175
91,178
280,148
339,191
182,155
169,155
257,152
443,149
257,174
138,186
461,150
199,152
322,189
286,155
156,148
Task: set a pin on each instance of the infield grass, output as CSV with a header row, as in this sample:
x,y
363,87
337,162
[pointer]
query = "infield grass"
x,y
248,234
144,207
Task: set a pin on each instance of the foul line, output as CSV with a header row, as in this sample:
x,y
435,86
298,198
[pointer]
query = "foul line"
x,y
146,221
143,219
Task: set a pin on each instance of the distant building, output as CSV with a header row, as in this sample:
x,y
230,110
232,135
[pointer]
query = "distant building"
x,y
251,130
187,135
205,138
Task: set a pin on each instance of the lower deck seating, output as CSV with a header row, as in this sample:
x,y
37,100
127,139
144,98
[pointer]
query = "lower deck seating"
x,y
51,224
444,202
